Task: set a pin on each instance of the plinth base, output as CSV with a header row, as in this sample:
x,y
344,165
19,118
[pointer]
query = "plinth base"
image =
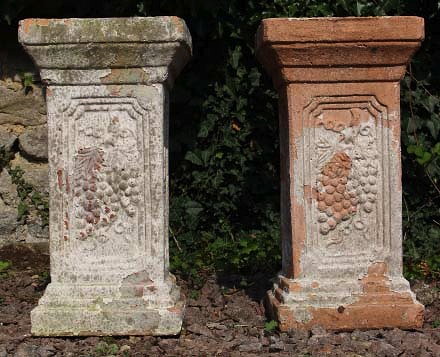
x,y
107,322
144,315
362,316
373,302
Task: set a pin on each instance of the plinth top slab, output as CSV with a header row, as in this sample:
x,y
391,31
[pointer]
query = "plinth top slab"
x,y
340,29
158,46
338,49
133,29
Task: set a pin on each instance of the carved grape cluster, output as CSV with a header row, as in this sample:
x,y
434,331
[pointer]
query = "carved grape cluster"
x,y
336,203
118,189
364,183
102,192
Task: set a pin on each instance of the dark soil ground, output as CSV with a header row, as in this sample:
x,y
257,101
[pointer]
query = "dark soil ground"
x,y
222,319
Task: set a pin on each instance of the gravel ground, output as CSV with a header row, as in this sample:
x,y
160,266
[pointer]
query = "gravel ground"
x,y
222,319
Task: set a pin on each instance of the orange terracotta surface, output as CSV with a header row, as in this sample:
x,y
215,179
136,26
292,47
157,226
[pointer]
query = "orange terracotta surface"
x,y
342,29
376,307
339,110
322,49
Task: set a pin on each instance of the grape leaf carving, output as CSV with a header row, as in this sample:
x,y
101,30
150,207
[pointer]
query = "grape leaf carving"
x,y
88,161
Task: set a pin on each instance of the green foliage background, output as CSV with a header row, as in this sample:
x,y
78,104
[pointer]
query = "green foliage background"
x,y
224,153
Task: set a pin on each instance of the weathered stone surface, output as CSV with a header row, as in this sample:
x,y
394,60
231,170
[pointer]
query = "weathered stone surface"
x,y
107,98
8,190
35,231
34,173
81,54
33,142
338,81
19,107
8,222
7,139
8,210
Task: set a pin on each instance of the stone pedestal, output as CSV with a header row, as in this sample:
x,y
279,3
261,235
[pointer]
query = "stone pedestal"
x,y
107,83
338,83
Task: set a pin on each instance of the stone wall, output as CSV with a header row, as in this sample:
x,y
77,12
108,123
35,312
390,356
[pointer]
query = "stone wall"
x,y
23,148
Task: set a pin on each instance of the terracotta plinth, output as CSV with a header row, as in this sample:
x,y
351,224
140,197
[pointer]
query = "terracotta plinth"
x,y
338,84
107,103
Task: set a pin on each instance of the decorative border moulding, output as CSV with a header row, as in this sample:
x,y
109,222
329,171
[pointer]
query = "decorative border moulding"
x,y
338,83
107,100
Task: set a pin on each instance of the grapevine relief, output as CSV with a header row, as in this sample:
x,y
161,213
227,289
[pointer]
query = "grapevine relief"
x,y
106,177
347,175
